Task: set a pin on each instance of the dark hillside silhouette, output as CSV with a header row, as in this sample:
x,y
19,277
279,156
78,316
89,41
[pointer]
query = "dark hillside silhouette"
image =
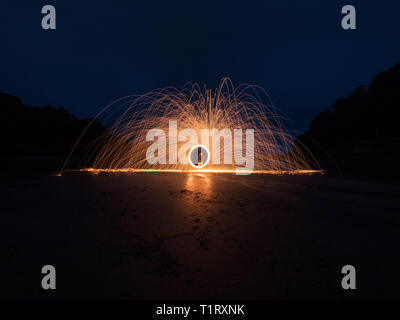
x,y
38,138
361,132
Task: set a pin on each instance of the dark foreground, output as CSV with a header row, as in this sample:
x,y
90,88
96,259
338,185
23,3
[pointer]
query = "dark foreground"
x,y
168,236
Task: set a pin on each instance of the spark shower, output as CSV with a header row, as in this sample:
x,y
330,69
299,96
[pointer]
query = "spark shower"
x,y
136,139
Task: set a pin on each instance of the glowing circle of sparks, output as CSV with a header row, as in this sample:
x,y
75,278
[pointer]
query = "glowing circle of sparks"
x,y
208,156
122,145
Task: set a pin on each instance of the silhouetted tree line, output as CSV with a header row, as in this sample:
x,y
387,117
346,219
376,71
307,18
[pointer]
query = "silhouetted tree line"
x,y
39,132
364,122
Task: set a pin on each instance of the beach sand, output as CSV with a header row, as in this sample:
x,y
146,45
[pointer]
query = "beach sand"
x,y
198,236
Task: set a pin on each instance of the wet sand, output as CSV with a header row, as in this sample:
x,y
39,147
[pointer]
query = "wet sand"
x,y
175,235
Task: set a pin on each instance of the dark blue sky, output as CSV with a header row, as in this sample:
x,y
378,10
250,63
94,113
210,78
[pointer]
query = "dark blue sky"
x,y
102,50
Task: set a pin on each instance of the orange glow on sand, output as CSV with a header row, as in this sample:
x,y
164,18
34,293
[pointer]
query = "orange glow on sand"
x,y
131,170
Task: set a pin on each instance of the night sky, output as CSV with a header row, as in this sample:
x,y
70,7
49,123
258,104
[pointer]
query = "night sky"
x,y
103,50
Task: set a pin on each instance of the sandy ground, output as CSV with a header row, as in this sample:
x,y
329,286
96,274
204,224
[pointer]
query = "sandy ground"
x,y
171,235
